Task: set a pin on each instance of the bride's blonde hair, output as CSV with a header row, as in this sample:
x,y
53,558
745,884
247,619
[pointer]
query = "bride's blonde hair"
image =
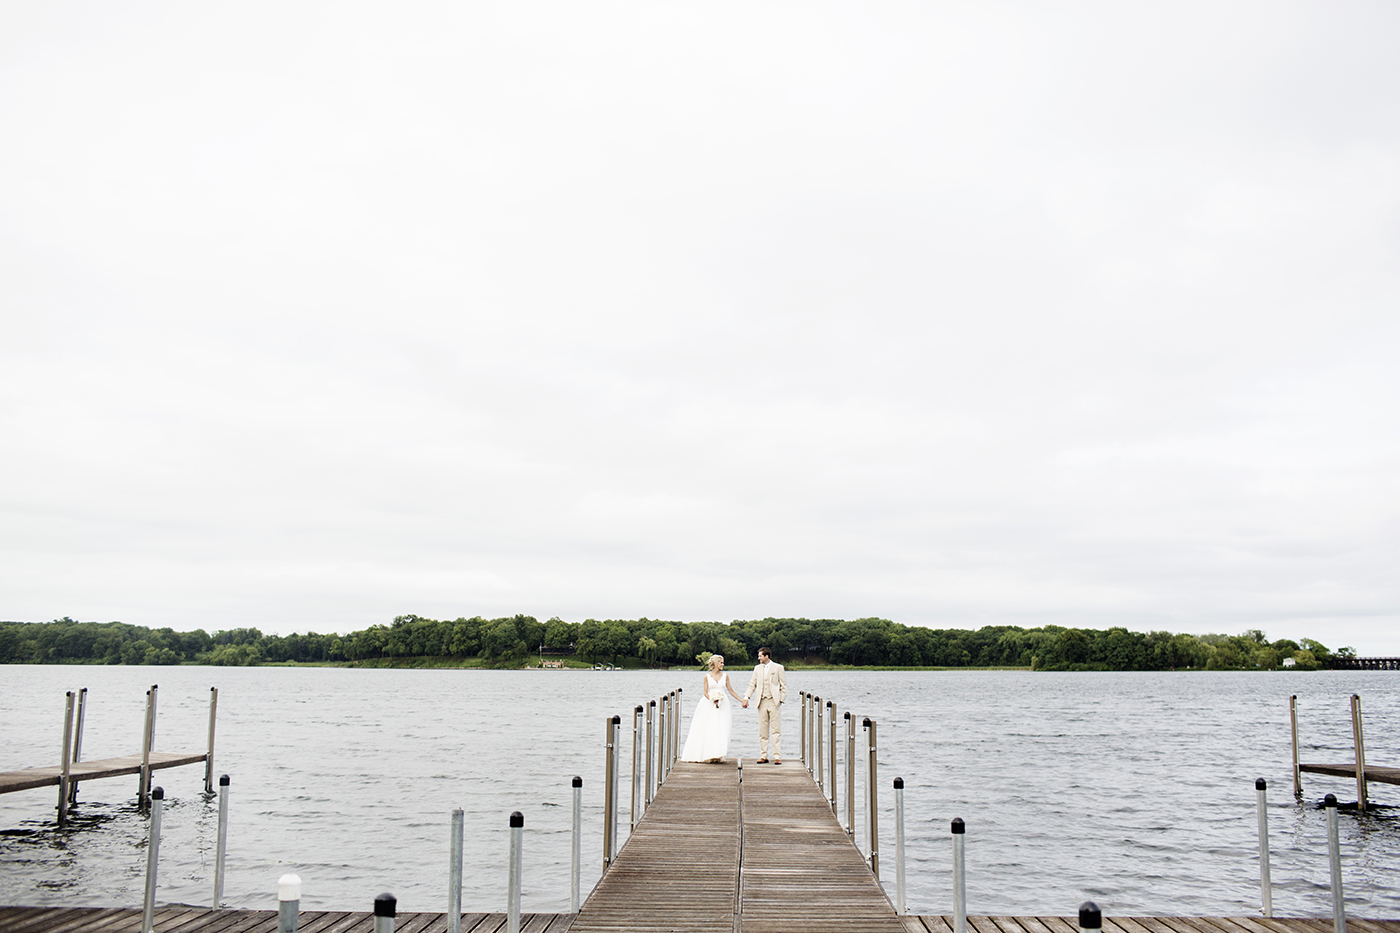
x,y
714,658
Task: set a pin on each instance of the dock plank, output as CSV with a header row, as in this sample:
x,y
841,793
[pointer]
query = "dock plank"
x,y
1348,770
30,778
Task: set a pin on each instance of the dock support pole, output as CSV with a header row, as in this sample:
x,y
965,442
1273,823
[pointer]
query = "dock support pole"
x,y
385,906
288,903
1334,856
872,786
651,713
1260,786
77,744
517,829
817,758
616,782
959,876
663,741
831,752
1297,775
148,741
454,871
899,846
1359,744
152,859
609,800
65,757
635,812
222,845
1090,918
676,731
802,704
576,857
850,776
209,759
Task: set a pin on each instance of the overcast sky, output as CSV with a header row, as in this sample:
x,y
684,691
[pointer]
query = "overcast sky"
x,y
314,314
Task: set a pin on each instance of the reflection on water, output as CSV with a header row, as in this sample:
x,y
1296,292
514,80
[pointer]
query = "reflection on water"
x,y
1134,789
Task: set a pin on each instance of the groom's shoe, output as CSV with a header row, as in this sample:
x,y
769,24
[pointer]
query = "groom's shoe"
x,y
761,761
777,761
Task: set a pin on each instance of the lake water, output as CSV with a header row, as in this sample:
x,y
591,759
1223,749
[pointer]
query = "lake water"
x,y
1134,789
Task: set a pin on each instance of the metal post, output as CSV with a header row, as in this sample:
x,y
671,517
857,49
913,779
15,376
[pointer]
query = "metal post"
x,y
899,846
959,876
651,789
222,844
850,776
1260,786
1359,745
1334,855
152,858
77,744
872,785
148,740
576,860
1297,775
831,752
616,780
1090,918
209,759
385,906
635,812
288,903
663,741
517,829
817,756
65,757
454,871
802,730
676,731
608,801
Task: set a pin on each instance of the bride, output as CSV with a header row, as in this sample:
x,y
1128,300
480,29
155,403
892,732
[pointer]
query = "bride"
x,y
713,719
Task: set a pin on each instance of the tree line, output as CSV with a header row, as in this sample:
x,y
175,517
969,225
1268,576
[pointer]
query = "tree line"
x,y
509,641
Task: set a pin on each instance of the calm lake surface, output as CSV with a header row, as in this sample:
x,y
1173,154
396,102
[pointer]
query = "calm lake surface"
x,y
1135,789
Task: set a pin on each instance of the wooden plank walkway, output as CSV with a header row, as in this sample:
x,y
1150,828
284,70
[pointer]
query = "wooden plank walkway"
x,y
1348,770
28,778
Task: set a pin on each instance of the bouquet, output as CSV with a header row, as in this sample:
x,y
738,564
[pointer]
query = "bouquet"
x,y
715,699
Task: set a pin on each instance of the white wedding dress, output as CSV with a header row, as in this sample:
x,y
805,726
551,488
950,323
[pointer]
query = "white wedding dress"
x,y
710,725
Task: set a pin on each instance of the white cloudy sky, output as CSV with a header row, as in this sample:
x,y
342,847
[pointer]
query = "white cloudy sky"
x,y
313,314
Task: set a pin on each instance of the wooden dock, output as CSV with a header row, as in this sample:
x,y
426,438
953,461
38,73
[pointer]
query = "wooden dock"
x,y
713,854
203,920
1348,770
52,776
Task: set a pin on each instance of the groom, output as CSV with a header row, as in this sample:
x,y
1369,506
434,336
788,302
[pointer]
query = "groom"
x,y
770,685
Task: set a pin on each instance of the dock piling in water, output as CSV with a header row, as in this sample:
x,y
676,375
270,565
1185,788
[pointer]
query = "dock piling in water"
x,y
636,779
288,903
385,907
899,906
209,761
1260,786
1334,856
152,860
1359,746
517,830
872,785
454,871
959,830
66,758
831,752
222,845
576,856
77,755
850,775
1090,918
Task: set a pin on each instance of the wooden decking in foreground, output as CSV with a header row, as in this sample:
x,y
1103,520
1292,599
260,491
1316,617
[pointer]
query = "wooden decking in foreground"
x,y
203,920
51,776
711,855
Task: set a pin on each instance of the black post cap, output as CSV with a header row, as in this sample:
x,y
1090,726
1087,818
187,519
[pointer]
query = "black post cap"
x,y
158,793
517,820
1090,917
651,703
578,781
865,724
959,827
617,720
680,689
829,703
637,710
385,905
223,780
1260,784
899,783
1329,801
847,714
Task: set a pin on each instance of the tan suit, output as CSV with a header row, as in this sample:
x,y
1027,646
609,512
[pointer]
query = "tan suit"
x,y
770,684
